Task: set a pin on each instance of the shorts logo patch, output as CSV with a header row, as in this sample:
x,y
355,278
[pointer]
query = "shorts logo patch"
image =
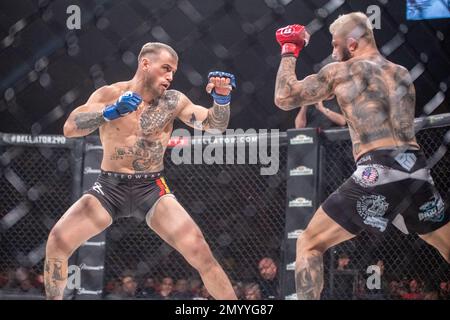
x,y
98,188
372,209
406,160
368,177
432,210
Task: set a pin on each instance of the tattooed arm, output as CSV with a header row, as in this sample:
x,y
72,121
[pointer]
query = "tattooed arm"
x,y
402,114
88,117
291,93
198,117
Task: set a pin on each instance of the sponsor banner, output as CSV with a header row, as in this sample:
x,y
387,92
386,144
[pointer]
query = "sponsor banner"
x,y
29,139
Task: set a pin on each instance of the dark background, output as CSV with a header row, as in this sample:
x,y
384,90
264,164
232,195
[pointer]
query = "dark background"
x,y
47,70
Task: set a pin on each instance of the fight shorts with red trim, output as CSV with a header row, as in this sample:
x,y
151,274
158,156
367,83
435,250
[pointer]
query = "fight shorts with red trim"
x,y
130,195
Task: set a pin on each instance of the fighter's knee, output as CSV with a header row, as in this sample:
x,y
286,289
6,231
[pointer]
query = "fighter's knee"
x,y
200,248
57,242
307,244
199,253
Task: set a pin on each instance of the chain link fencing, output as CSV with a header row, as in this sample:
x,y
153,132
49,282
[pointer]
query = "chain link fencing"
x,y
37,185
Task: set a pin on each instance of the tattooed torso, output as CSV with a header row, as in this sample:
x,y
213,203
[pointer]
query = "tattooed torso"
x,y
137,142
378,100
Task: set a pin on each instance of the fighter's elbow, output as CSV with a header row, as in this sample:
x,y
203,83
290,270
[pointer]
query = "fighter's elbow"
x,y
283,103
69,130
342,122
280,102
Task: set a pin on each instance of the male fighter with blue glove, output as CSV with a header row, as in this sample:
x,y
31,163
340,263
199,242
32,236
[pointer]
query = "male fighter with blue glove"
x,y
135,121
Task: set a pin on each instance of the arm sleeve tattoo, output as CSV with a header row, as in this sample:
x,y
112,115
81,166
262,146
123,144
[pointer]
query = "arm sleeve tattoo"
x,y
217,119
89,120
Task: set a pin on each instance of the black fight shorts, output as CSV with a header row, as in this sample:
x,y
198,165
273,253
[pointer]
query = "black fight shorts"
x,y
388,186
130,195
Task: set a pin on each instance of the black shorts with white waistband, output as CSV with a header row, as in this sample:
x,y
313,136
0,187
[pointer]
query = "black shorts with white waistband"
x,y
388,186
130,195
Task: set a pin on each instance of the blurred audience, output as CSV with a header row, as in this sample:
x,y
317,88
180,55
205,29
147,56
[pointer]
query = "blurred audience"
x,y
268,281
182,290
252,291
166,291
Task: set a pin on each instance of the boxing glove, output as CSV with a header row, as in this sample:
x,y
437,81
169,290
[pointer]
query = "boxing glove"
x,y
221,99
292,39
127,102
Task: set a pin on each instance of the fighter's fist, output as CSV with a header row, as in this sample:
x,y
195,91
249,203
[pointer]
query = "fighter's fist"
x,y
292,39
220,85
127,102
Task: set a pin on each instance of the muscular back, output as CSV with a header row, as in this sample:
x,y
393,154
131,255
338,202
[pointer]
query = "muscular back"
x,y
378,100
376,96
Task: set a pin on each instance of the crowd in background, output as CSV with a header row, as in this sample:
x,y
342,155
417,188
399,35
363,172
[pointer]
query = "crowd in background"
x,y
348,284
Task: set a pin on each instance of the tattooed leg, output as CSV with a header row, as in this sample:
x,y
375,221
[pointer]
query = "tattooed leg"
x,y
55,278
309,276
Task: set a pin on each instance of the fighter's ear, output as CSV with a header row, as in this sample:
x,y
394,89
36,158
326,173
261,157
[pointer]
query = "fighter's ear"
x,y
352,44
145,62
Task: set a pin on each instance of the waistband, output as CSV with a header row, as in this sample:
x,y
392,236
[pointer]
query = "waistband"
x,y
132,176
391,155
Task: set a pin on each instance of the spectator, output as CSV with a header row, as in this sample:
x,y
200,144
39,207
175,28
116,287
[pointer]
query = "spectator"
x,y
113,290
343,262
129,287
182,291
321,117
195,285
268,280
346,286
443,292
203,294
166,289
414,292
252,291
38,282
149,289
394,288
26,287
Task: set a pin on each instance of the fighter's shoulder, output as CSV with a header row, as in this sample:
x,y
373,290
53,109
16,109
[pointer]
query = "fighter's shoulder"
x,y
172,93
401,74
401,70
333,72
108,92
172,98
333,68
